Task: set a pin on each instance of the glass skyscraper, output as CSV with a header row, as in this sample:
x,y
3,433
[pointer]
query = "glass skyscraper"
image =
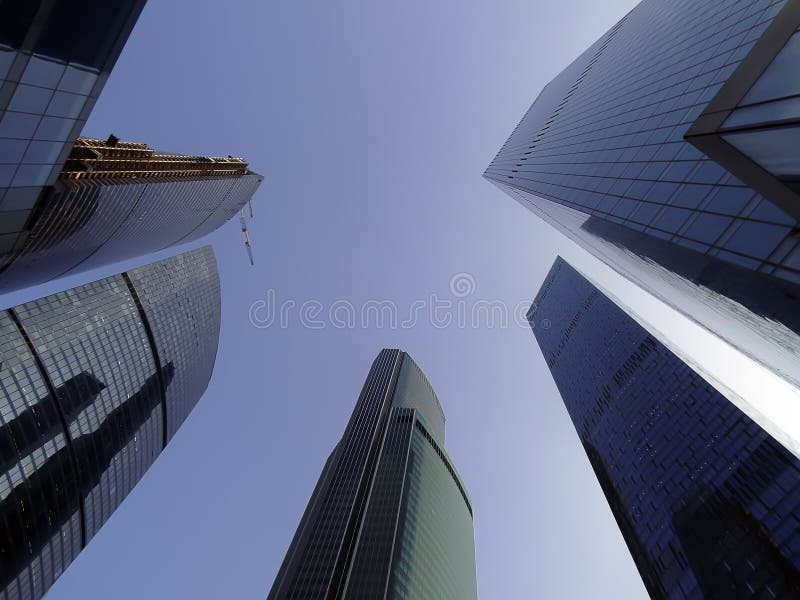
x,y
669,150
116,200
706,500
389,517
55,57
69,204
94,382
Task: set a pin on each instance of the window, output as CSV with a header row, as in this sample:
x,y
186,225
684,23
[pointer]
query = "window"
x,y
780,79
765,113
773,149
750,128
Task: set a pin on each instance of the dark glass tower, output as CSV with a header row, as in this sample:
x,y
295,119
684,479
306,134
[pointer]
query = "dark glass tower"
x,y
389,517
55,57
94,381
116,200
706,500
668,150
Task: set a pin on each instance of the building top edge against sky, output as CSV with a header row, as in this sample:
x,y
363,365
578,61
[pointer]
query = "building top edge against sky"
x,y
389,516
609,155
70,204
607,135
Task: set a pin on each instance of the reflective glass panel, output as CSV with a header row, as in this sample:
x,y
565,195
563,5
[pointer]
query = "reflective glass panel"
x,y
774,149
765,113
781,77
43,72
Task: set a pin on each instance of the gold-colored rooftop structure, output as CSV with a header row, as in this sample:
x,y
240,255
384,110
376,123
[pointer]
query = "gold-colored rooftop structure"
x,y
98,159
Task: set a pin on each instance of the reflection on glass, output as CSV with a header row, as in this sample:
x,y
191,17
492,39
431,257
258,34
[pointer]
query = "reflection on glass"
x,y
435,516
43,72
18,125
764,113
41,422
43,152
704,497
56,486
30,98
28,175
77,80
65,104
776,150
780,79
54,128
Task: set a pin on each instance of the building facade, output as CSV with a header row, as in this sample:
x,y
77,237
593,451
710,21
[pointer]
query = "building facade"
x,y
116,200
389,517
94,381
706,500
667,149
55,58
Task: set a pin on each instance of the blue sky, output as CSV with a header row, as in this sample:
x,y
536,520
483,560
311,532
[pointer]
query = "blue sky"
x,y
372,123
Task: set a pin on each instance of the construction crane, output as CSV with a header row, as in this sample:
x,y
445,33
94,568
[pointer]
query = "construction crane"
x,y
245,233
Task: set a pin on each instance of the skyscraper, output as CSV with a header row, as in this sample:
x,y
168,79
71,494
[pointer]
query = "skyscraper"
x,y
706,500
668,150
55,57
94,382
389,517
116,200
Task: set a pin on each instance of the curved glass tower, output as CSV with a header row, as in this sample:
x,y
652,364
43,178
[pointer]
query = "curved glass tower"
x,y
116,200
93,383
390,517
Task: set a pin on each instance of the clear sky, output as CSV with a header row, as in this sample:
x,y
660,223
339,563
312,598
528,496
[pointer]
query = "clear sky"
x,y
372,123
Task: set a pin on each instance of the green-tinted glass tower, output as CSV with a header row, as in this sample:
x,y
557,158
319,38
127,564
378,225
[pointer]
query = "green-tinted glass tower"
x,y
389,517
